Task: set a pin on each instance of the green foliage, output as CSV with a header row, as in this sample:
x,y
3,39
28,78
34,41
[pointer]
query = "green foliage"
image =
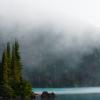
x,y
26,88
5,78
12,83
16,63
9,59
7,91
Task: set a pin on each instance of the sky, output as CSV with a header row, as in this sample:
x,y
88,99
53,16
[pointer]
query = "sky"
x,y
70,18
87,11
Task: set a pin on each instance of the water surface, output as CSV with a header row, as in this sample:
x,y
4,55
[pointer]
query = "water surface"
x,y
86,93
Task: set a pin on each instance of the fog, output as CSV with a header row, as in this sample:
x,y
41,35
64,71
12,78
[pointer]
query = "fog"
x,y
50,30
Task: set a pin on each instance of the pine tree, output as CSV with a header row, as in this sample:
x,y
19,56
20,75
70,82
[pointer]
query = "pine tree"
x,y
9,60
5,65
16,63
4,72
24,87
8,50
7,90
16,68
13,65
11,81
0,73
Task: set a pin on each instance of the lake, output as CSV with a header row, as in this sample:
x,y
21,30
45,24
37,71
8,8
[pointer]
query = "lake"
x,y
85,93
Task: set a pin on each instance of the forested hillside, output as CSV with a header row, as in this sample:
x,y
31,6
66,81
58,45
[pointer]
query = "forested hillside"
x,y
46,65
59,73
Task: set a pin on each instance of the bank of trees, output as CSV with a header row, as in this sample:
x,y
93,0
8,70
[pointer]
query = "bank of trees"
x,y
12,83
60,74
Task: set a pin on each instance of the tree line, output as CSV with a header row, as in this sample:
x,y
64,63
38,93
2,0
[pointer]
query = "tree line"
x,y
12,84
60,74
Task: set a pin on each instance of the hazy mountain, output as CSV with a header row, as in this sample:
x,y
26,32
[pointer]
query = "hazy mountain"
x,y
52,46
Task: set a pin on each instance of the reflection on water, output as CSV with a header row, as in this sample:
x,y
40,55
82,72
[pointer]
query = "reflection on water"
x,y
74,97
79,97
46,98
82,90
72,94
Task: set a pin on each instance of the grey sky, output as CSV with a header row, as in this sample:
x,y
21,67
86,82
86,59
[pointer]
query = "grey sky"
x,y
31,10
71,18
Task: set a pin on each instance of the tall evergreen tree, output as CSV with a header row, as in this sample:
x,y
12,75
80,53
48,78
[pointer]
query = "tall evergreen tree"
x,y
5,65
11,81
16,68
16,63
13,65
8,50
4,72
0,73
9,60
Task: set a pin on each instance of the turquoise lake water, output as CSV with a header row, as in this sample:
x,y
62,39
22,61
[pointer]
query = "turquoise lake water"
x,y
87,93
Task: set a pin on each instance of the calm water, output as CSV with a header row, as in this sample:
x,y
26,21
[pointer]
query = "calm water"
x,y
79,97
72,93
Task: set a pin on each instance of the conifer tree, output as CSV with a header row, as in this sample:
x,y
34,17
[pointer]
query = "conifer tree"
x,y
0,73
16,68
7,90
18,62
9,60
13,65
4,72
11,72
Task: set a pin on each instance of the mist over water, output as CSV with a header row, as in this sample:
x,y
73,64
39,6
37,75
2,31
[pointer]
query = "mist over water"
x,y
68,91
85,93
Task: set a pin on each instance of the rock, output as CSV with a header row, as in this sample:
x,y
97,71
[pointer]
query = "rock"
x,y
47,96
44,95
